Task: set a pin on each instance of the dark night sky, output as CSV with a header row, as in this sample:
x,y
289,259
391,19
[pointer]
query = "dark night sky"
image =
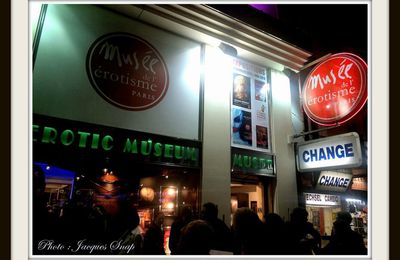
x,y
318,28
333,28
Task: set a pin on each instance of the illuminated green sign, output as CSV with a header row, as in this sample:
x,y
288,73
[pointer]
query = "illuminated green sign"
x,y
246,161
137,145
160,150
67,137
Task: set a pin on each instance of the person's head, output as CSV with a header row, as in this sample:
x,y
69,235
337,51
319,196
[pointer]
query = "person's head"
x,y
245,220
342,223
185,213
197,238
299,215
209,211
248,232
352,208
273,221
344,216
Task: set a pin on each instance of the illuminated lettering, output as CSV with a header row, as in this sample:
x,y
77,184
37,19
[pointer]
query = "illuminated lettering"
x,y
67,137
191,153
328,153
130,146
334,181
252,162
86,140
49,135
146,146
157,149
106,143
168,151
35,130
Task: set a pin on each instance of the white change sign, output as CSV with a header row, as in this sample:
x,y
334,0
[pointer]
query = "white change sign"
x,y
322,199
334,181
335,152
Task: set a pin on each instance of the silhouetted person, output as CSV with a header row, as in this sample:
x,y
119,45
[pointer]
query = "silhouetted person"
x,y
302,238
97,224
274,234
223,234
153,243
344,241
133,235
76,221
44,223
248,233
197,238
184,217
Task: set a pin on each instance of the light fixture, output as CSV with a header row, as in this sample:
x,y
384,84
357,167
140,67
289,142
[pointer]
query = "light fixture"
x,y
228,49
171,191
108,177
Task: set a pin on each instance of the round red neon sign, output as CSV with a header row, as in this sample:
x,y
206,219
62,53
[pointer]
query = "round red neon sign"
x,y
127,71
336,89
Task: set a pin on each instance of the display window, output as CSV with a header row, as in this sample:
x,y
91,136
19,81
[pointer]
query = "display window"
x,y
322,209
358,209
91,193
322,218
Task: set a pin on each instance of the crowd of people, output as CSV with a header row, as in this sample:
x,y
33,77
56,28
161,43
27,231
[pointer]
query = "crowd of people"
x,y
248,235
251,236
190,234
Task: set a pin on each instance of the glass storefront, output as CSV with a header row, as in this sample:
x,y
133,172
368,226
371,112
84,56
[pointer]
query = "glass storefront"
x,y
92,189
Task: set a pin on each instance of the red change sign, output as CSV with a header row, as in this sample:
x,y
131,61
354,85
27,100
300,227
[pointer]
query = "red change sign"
x,y
127,71
336,89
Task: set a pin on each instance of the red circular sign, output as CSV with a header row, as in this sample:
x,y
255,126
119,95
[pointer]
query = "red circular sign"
x,y
127,71
336,89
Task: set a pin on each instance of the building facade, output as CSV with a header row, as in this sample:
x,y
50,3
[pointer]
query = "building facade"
x,y
164,107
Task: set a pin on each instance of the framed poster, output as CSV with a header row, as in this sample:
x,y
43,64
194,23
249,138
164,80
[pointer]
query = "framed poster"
x,y
250,119
169,200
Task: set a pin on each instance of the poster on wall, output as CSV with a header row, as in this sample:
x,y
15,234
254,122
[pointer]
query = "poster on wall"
x,y
250,108
241,91
241,127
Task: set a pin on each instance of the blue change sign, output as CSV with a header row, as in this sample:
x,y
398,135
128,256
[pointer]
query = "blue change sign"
x,y
335,152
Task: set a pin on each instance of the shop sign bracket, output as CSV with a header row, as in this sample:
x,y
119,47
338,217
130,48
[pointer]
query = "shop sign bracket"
x,y
292,137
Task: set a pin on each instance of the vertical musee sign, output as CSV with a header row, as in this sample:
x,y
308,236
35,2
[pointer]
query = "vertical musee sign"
x,y
336,89
127,71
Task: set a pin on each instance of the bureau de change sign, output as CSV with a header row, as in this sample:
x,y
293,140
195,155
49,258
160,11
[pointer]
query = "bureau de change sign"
x,y
335,152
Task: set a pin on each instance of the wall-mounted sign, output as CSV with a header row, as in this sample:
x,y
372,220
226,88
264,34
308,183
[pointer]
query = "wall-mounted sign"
x,y
127,71
336,89
335,152
250,107
138,68
53,137
322,199
251,162
359,183
333,181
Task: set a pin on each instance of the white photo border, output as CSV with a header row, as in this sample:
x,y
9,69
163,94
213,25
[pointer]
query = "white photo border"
x,y
378,61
